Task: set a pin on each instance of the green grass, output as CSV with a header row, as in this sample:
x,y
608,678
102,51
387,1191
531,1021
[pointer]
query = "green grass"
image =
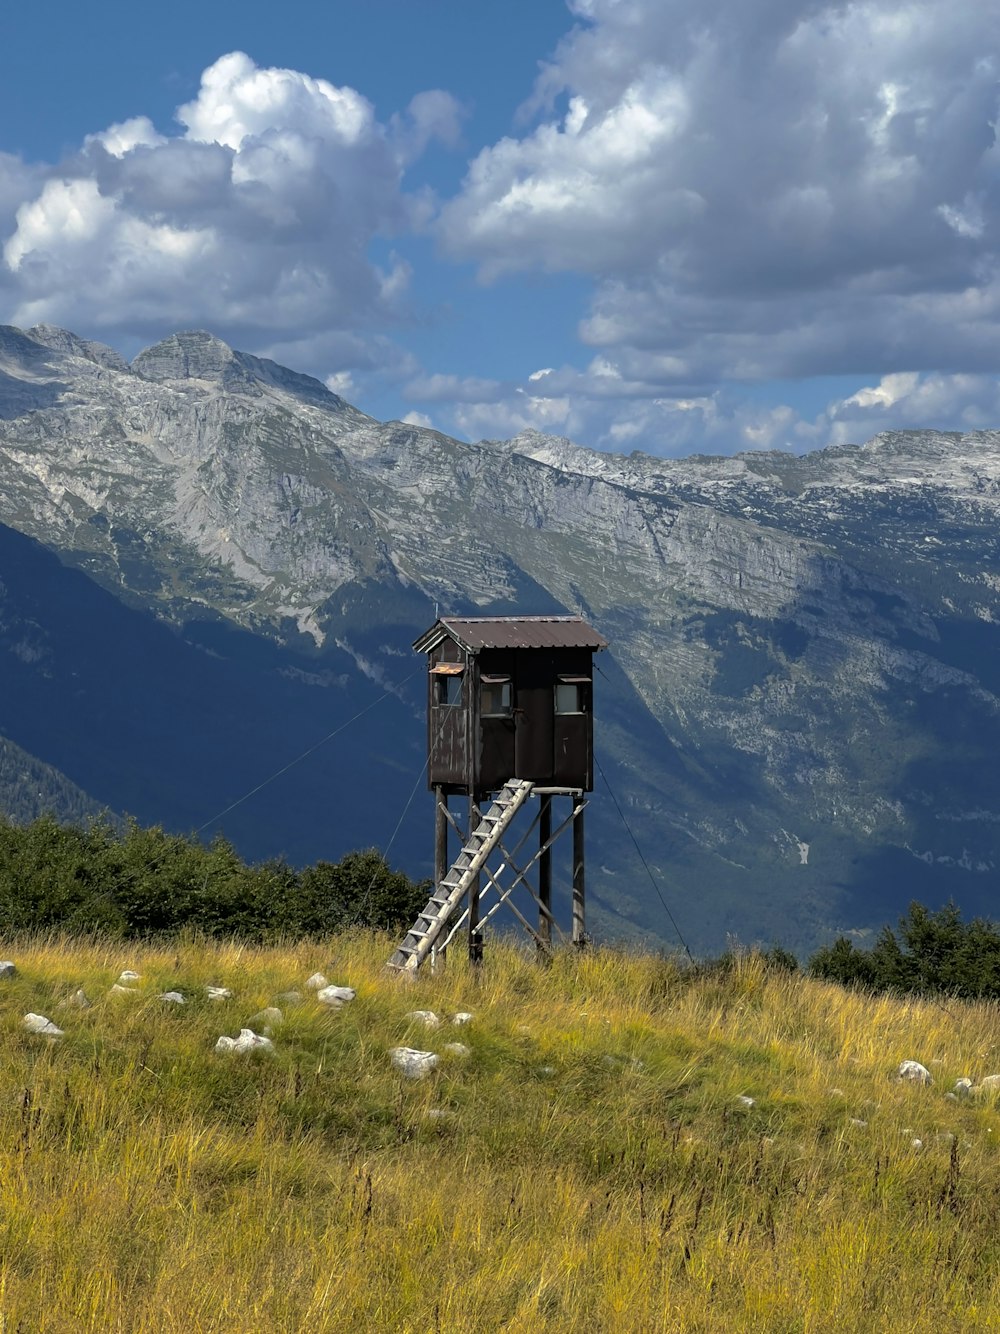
x,y
589,1166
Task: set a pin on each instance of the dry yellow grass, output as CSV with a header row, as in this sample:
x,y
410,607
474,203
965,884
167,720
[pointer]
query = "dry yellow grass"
x,y
589,1166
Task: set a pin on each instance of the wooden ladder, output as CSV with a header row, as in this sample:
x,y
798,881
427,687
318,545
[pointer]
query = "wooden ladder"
x,y
423,934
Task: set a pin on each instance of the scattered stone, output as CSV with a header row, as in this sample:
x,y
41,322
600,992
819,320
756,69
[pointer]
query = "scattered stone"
x,y
413,1064
457,1049
914,1073
290,998
952,1096
129,976
546,1070
218,993
7,969
463,1017
266,1020
745,1100
78,1001
174,997
963,1085
317,982
37,1023
118,990
248,1040
426,1017
916,1143
857,1121
437,1114
988,1084
335,997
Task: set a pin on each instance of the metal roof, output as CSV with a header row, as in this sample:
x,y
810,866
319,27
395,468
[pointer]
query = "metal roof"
x,y
478,632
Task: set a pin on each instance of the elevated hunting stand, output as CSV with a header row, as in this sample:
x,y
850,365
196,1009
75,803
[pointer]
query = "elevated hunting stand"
x,y
509,717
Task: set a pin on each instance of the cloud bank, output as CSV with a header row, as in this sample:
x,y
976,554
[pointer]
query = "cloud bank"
x,y
779,191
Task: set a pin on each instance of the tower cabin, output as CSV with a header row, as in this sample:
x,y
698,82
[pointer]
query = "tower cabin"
x,y
509,711
510,697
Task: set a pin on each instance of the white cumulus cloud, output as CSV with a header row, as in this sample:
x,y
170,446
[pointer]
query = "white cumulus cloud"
x,y
801,187
256,219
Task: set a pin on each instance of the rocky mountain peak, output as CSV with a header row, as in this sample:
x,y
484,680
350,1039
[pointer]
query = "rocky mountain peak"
x,y
200,356
194,355
61,340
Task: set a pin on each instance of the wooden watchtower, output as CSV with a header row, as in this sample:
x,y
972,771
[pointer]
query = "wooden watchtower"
x,y
509,717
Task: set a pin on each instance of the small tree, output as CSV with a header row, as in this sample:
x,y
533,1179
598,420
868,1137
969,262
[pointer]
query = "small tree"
x,y
929,952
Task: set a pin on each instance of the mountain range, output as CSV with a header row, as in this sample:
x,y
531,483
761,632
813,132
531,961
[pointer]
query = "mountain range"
x,y
212,567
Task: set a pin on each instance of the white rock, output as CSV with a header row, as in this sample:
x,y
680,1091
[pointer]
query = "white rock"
x,y
335,997
248,1040
426,1017
916,1143
218,993
78,1001
963,1085
457,1049
413,1064
856,1121
118,990
463,1017
7,969
745,1100
174,997
129,976
914,1073
37,1023
988,1084
317,982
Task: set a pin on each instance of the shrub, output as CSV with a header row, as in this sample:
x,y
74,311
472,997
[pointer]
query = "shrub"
x,y
140,882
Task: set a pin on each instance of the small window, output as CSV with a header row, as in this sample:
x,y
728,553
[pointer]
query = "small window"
x,y
569,697
448,690
496,699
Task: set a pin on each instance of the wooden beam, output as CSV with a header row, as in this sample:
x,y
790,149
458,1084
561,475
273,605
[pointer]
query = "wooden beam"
x,y
545,870
475,937
579,876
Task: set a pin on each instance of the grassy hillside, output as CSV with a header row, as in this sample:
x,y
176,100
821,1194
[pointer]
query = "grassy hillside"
x,y
591,1165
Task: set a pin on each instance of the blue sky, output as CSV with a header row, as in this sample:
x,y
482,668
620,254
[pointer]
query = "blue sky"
x,y
673,225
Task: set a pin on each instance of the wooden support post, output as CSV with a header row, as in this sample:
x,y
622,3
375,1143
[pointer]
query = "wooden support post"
x,y
475,936
545,872
441,862
579,876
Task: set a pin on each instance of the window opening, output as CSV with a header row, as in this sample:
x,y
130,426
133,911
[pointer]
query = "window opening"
x,y
448,690
571,696
497,697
